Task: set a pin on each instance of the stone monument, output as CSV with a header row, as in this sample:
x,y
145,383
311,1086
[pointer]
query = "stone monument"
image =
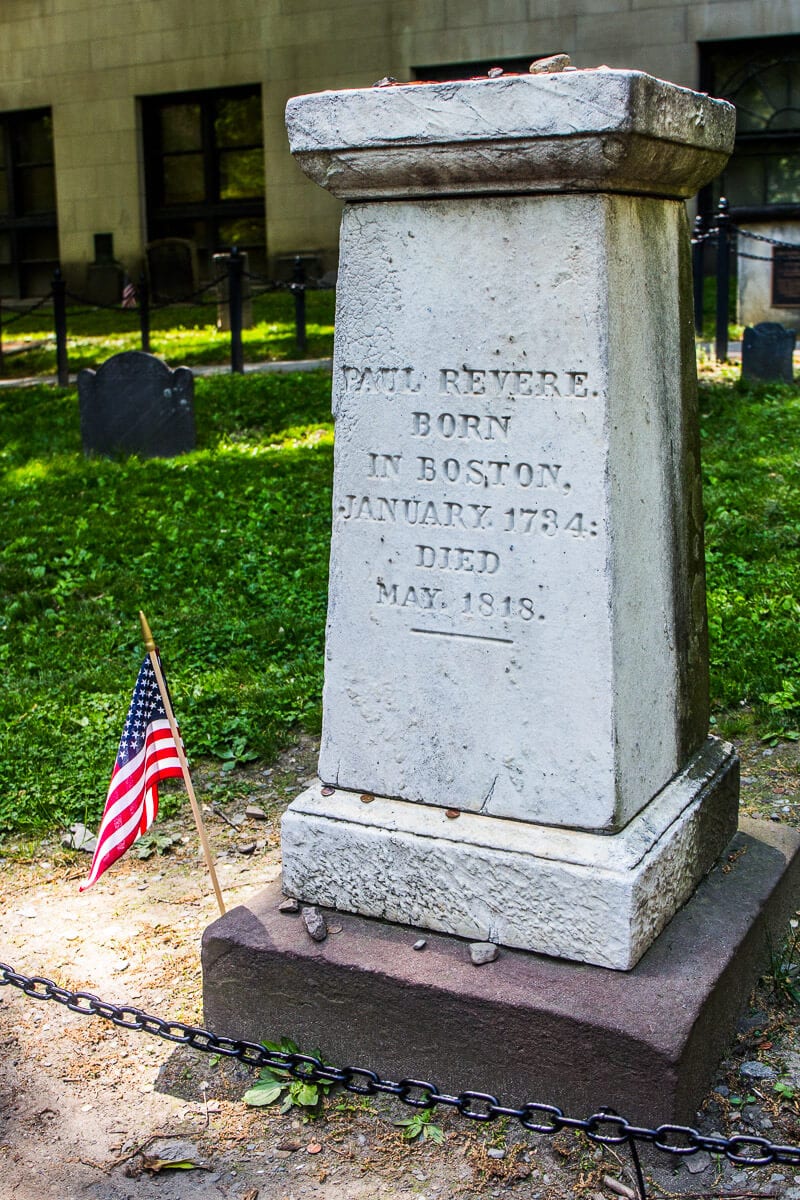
x,y
515,738
516,632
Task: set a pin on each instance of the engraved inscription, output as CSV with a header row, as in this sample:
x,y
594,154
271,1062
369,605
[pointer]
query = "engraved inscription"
x,y
478,472
458,438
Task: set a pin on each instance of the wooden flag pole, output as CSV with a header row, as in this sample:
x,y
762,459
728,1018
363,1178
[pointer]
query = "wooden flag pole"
x,y
150,646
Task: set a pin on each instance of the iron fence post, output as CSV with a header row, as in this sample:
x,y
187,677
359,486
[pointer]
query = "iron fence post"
x,y
299,291
698,245
60,322
144,312
235,269
723,222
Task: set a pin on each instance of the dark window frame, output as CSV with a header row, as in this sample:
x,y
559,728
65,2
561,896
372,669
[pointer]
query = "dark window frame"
x,y
171,219
16,222
763,54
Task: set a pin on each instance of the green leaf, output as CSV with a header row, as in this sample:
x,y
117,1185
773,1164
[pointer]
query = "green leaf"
x,y
307,1094
281,1077
264,1092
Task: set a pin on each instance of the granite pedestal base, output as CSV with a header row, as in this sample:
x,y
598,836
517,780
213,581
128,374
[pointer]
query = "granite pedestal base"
x,y
593,897
524,1027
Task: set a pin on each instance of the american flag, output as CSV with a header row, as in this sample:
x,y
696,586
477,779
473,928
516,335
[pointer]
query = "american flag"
x,y
147,753
128,294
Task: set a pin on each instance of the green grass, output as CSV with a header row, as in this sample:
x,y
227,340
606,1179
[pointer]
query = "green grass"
x,y
751,470
709,330
180,334
225,550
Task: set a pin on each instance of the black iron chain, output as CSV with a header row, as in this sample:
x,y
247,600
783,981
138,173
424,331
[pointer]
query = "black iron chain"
x,y
605,1127
22,313
762,237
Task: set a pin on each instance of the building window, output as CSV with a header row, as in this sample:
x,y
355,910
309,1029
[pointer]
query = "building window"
x,y
761,77
204,171
28,227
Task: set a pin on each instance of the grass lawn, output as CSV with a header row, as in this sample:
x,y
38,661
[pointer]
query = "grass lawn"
x,y
226,551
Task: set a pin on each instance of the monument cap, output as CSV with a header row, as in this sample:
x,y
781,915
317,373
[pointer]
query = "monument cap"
x,y
513,133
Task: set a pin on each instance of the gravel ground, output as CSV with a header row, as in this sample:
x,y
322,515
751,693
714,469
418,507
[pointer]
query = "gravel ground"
x,y
91,1112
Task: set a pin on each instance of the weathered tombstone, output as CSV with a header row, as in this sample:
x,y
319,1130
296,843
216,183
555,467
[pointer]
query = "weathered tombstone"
x,y
104,275
517,617
515,713
172,269
135,404
768,352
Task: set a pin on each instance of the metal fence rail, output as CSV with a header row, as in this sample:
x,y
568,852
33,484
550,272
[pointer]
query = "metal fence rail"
x,y
724,236
141,304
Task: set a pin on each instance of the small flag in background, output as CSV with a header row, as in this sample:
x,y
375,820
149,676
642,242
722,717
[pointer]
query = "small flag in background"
x,y
147,753
128,294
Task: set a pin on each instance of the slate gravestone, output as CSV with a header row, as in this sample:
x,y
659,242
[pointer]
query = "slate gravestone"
x,y
517,628
134,404
768,352
172,269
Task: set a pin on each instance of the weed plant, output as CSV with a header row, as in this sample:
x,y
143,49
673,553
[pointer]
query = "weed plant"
x,y
226,549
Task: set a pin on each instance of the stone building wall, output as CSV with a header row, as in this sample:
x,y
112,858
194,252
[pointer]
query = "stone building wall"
x,y
91,61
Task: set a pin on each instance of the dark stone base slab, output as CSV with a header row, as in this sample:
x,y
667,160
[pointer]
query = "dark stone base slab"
x,y
524,1027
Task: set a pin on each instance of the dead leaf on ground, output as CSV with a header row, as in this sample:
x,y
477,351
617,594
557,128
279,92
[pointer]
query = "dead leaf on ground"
x,y
156,1165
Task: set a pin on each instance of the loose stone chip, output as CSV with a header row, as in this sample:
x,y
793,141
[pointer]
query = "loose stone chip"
x,y
314,923
551,65
289,905
482,952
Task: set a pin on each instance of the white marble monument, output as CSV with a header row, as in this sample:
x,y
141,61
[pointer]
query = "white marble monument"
x,y
515,721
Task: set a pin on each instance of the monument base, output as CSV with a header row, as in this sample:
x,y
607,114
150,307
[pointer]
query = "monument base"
x,y
524,1027
591,897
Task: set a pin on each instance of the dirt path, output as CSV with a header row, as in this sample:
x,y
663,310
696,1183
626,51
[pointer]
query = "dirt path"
x,y
90,1112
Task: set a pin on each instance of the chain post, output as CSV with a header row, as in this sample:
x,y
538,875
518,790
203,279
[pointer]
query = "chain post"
x,y
60,321
723,224
299,291
144,311
698,264
235,272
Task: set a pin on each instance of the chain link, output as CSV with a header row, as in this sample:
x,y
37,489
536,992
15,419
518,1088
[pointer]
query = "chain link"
x,y
605,1127
762,237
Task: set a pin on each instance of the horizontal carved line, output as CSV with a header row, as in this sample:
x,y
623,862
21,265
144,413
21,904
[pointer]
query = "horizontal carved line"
x,y
473,637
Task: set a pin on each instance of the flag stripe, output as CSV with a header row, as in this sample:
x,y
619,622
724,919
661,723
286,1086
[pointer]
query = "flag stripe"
x,y
147,754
